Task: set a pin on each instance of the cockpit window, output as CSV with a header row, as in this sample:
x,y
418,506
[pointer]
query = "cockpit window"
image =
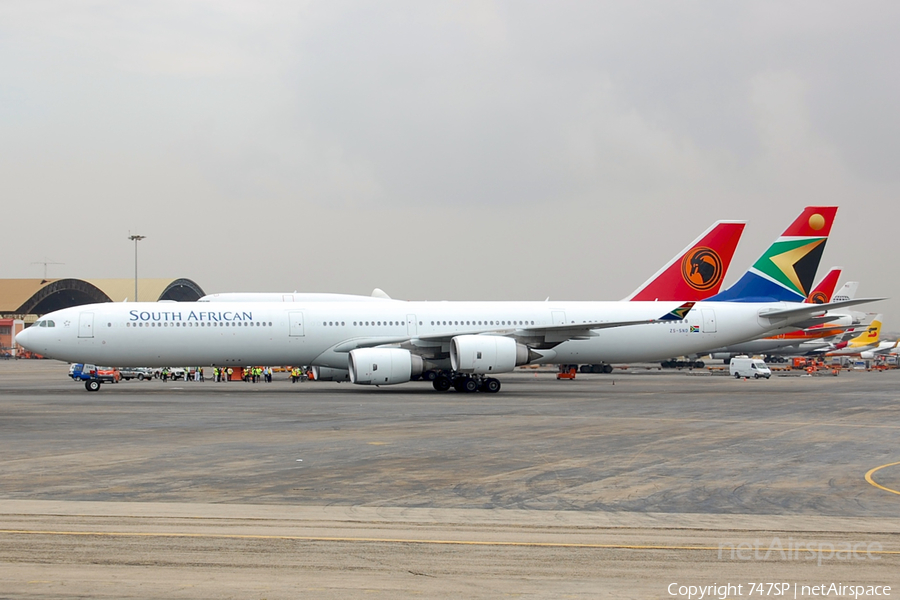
x,y
50,324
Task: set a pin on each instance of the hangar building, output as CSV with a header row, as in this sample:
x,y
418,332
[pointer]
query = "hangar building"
x,y
21,298
22,301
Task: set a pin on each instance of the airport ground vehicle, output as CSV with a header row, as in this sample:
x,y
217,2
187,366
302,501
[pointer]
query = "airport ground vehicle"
x,y
166,373
804,362
743,366
92,375
109,374
140,373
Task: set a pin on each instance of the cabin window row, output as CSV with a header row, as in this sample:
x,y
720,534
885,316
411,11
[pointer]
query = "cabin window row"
x,y
448,323
365,323
434,323
199,324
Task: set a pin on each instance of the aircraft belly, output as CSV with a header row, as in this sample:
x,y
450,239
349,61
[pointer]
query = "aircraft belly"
x,y
649,343
757,346
619,348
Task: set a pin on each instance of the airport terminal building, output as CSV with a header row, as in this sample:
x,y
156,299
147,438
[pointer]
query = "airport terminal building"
x,y
22,301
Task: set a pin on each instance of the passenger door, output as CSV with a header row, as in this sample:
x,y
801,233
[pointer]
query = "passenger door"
x,y
86,325
295,318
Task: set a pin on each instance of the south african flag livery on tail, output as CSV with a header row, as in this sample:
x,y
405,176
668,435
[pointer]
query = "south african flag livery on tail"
x,y
679,313
786,271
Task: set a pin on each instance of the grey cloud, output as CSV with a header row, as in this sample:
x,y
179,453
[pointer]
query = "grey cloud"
x,y
561,149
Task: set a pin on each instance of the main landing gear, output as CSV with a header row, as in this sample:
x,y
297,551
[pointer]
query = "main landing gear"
x,y
464,383
92,385
601,368
684,364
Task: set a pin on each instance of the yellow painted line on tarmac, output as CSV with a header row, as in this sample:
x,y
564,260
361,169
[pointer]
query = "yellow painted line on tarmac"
x,y
878,485
304,538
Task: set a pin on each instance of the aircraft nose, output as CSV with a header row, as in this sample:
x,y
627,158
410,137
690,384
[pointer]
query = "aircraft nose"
x,y
22,337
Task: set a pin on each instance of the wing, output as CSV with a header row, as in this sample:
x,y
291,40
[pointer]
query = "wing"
x,y
541,335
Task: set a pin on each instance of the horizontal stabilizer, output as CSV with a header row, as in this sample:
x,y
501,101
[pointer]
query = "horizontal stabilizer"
x,y
814,309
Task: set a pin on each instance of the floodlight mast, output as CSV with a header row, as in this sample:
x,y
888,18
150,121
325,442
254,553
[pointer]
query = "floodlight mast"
x,y
136,239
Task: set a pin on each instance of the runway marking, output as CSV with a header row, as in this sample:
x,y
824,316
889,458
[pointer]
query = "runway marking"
x,y
878,485
304,538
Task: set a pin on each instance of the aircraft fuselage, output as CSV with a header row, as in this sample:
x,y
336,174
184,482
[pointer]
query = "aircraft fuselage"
x,y
321,333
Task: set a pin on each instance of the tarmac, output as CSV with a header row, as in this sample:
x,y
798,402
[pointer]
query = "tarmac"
x,y
611,486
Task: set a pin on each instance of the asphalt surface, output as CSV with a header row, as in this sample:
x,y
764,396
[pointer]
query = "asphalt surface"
x,y
605,486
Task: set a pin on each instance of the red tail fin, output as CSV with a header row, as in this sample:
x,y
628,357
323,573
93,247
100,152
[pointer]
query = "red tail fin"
x,y
825,290
697,272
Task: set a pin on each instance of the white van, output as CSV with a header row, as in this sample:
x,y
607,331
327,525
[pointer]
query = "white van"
x,y
742,366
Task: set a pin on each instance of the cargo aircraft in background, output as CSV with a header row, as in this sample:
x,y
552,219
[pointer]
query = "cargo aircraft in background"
x,y
868,340
463,344
883,349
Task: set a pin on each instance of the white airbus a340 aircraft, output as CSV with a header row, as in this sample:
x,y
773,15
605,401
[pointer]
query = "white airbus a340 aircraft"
x,y
462,344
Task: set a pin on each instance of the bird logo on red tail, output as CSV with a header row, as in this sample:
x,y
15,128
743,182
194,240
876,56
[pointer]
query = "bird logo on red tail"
x,y
818,298
701,268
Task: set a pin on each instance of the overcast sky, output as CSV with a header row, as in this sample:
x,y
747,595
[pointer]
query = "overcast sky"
x,y
442,150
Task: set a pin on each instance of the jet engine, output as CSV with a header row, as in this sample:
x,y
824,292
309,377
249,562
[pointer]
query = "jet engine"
x,y
384,366
329,374
482,354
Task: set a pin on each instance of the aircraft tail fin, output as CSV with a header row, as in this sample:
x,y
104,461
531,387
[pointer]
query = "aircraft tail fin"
x,y
785,272
697,272
870,336
825,290
847,291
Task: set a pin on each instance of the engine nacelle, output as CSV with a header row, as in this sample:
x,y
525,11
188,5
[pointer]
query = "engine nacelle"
x,y
867,355
329,374
384,366
483,354
721,355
